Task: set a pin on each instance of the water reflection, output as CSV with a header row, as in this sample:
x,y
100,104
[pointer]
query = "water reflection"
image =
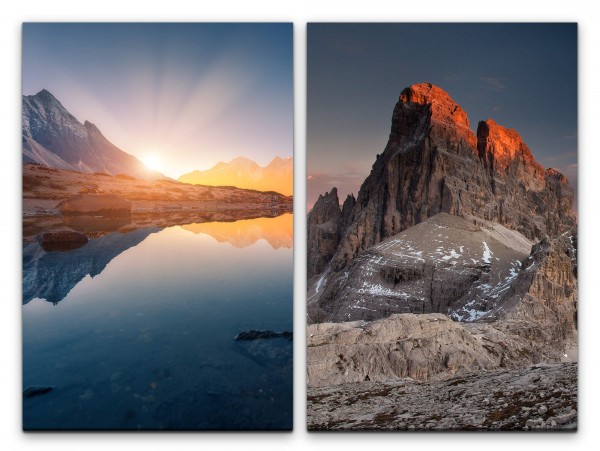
x,y
278,231
143,335
51,275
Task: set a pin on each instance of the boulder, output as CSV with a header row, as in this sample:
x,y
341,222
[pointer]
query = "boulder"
x,y
62,239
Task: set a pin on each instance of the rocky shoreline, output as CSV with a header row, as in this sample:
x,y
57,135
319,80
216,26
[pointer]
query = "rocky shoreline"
x,y
539,397
47,193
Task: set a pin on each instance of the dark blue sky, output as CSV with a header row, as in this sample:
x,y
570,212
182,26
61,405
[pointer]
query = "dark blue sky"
x,y
188,94
524,76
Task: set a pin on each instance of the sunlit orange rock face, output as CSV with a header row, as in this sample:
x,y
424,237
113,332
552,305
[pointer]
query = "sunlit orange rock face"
x,y
504,154
278,231
443,108
502,145
425,108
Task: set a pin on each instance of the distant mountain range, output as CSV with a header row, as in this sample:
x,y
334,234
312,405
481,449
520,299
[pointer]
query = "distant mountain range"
x,y
241,172
53,137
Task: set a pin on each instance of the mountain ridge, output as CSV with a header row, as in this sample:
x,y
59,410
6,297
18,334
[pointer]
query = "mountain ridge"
x,y
53,137
242,172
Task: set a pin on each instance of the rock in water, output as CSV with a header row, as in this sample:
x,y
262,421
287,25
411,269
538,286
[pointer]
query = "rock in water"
x,y
62,239
30,392
269,349
262,334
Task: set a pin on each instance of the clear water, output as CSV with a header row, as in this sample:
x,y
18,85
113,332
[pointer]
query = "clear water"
x,y
145,339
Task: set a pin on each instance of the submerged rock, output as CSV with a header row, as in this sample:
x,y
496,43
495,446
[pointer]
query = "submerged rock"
x,y
267,348
262,334
63,239
30,392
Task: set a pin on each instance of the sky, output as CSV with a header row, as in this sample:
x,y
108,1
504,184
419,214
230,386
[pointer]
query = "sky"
x,y
524,76
183,96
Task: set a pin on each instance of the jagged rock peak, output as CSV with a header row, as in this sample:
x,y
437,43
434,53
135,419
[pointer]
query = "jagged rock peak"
x,y
556,175
333,194
327,206
324,221
45,102
349,202
502,143
45,94
53,137
443,107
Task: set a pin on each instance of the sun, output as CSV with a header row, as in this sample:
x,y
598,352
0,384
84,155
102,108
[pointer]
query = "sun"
x,y
152,162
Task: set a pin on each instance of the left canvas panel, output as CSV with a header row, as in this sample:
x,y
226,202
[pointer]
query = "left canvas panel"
x,y
157,226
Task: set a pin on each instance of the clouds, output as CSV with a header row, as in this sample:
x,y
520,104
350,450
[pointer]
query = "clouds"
x,y
491,83
487,82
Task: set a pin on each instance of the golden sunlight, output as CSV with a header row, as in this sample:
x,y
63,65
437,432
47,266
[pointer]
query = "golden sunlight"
x,y
152,162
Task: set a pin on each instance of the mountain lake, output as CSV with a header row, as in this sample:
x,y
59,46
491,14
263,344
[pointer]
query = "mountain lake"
x,y
136,330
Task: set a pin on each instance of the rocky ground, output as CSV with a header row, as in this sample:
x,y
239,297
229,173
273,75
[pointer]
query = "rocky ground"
x,y
539,397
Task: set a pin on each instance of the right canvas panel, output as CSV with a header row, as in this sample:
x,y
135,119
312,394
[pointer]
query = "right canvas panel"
x,y
442,227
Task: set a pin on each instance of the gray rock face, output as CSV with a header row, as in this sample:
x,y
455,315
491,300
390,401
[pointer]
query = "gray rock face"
x,y
533,321
323,229
542,301
540,397
326,226
433,163
424,347
446,264
53,137
421,347
484,277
